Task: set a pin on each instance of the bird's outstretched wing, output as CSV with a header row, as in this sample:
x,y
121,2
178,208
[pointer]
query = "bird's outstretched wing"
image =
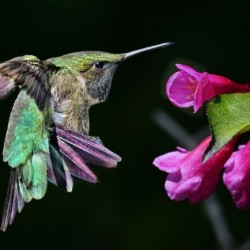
x,y
26,72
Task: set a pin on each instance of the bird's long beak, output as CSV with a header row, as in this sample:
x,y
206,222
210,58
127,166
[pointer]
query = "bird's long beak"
x,y
139,51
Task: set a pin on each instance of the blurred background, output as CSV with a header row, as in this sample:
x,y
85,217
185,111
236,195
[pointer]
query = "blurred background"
x,y
128,208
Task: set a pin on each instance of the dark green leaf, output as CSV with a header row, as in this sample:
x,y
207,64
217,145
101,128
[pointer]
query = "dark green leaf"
x,y
228,116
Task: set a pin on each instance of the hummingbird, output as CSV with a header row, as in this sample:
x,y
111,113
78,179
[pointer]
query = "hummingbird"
x,y
47,138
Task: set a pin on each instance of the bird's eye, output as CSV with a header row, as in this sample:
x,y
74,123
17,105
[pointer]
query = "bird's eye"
x,y
99,65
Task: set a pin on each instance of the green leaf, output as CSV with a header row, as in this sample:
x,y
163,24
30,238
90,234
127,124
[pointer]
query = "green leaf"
x,y
228,116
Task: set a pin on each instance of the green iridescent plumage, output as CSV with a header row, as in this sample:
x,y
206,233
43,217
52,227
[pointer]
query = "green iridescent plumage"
x,y
82,61
26,131
27,146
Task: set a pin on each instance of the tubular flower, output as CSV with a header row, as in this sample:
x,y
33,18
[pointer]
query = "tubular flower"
x,y
188,177
188,87
237,176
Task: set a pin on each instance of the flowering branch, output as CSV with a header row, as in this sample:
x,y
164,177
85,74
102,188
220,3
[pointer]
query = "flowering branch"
x,y
195,174
212,206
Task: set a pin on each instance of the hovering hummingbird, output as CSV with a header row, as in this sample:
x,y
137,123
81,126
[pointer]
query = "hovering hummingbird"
x,y
48,131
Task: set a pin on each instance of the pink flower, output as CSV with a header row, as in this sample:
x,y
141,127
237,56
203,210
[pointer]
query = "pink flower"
x,y
188,87
237,176
187,176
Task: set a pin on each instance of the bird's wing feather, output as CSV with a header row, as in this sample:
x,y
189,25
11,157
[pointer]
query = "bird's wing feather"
x,y
58,172
75,163
27,72
14,202
77,150
88,149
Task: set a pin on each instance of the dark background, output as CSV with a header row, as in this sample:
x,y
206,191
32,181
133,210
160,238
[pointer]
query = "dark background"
x,y
128,209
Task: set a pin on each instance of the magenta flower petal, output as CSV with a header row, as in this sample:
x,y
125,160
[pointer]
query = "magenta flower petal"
x,y
181,191
237,176
187,176
190,71
204,91
188,87
169,162
181,88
